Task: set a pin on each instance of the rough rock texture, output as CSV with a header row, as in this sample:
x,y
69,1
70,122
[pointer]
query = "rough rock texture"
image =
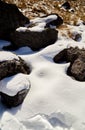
x,y
57,22
10,19
77,69
76,57
13,101
69,54
12,67
33,39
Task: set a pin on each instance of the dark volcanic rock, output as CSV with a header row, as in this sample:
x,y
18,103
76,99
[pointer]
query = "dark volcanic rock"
x,y
66,5
69,55
61,56
77,70
76,57
12,67
57,22
33,39
10,19
13,101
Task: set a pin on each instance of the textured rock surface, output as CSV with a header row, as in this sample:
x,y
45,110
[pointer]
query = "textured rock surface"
x,y
10,19
77,58
77,70
12,67
33,39
69,54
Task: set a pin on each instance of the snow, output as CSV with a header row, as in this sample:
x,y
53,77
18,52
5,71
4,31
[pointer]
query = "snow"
x,y
21,29
55,101
5,55
8,122
45,19
40,23
14,84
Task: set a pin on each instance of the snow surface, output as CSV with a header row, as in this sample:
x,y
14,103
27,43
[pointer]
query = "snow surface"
x,y
40,23
14,84
55,101
5,55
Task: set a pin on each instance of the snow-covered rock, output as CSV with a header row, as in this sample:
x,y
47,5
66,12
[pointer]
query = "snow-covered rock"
x,y
11,64
14,89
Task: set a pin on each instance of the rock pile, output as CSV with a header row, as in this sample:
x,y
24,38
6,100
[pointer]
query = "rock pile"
x,y
14,85
41,33
11,19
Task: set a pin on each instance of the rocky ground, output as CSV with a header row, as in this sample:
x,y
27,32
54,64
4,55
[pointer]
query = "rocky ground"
x,y
37,8
49,64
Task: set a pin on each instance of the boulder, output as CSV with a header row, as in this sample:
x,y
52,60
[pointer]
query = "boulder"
x,y
33,39
69,54
10,64
10,19
14,89
76,57
77,70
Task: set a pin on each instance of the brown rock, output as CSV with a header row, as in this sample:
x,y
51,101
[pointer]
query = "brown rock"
x,y
69,54
77,70
12,67
76,57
